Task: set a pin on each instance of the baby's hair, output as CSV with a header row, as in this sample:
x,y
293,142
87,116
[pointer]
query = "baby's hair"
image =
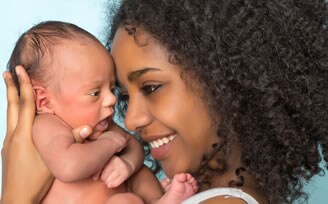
x,y
33,49
262,67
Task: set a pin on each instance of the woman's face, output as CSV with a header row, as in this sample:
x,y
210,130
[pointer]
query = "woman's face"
x,y
162,108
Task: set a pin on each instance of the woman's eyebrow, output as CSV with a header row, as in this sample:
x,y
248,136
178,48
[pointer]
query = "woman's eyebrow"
x,y
133,76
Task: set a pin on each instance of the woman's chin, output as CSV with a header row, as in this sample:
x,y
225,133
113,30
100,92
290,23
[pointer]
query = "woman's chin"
x,y
170,171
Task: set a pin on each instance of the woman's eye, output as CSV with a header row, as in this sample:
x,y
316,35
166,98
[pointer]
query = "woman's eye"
x,y
148,89
124,97
94,93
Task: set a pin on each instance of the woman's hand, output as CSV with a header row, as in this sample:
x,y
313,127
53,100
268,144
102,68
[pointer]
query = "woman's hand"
x,y
25,178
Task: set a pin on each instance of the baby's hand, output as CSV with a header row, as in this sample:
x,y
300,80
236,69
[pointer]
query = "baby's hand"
x,y
116,172
117,140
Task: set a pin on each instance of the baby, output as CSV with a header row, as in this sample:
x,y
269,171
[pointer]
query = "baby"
x,y
73,81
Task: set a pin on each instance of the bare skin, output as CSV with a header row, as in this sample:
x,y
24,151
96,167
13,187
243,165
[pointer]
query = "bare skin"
x,y
18,145
151,82
220,181
183,186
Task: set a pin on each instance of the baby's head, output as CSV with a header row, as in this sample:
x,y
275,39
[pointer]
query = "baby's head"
x,y
71,72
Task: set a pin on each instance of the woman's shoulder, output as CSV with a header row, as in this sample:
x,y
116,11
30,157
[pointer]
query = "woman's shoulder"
x,y
226,196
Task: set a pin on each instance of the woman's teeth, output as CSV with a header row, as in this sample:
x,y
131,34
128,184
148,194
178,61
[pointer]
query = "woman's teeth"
x,y
162,141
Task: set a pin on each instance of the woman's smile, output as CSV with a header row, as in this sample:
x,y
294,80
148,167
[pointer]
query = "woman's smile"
x,y
161,141
179,131
160,147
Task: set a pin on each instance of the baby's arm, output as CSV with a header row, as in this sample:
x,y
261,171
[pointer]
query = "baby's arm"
x,y
69,161
145,184
134,153
121,167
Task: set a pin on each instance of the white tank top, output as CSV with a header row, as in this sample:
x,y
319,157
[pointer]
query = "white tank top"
x,y
227,192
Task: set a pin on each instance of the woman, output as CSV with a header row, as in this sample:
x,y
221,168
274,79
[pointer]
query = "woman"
x,y
231,91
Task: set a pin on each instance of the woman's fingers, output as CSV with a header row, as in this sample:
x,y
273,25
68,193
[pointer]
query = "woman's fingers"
x,y
23,170
12,107
81,133
26,101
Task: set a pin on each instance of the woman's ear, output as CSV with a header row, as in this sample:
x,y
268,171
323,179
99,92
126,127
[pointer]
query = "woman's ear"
x,y
42,100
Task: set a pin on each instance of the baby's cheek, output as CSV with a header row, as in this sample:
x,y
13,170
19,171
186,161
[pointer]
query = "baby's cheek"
x,y
88,113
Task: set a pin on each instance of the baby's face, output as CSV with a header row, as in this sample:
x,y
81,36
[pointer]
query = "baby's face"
x,y
83,95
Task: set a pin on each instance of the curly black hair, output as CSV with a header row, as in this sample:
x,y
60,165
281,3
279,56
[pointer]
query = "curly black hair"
x,y
263,67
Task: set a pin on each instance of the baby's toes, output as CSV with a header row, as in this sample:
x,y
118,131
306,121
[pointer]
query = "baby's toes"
x,y
181,178
166,183
192,182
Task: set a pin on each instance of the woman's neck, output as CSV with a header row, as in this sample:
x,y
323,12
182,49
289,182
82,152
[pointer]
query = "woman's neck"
x,y
233,162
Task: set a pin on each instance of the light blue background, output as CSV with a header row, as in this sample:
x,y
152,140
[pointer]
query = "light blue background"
x,y
16,16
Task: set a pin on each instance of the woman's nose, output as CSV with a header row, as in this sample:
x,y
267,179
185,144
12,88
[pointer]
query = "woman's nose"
x,y
137,115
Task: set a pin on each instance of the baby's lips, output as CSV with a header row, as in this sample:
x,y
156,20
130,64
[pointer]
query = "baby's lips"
x,y
101,127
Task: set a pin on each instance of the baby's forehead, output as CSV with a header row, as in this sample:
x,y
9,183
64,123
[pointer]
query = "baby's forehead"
x,y
81,55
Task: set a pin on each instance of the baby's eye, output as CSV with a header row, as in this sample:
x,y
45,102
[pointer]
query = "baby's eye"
x,y
94,93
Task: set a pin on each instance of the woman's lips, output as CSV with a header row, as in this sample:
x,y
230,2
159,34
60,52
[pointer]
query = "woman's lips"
x,y
160,152
160,147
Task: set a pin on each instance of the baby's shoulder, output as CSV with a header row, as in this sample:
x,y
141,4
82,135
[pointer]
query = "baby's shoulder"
x,y
48,123
48,119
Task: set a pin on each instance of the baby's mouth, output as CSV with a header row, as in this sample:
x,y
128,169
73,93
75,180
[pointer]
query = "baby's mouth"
x,y
102,125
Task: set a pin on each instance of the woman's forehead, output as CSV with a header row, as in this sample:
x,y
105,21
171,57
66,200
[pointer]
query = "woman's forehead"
x,y
127,52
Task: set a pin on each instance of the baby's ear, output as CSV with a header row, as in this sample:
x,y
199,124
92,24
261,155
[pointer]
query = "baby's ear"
x,y
42,100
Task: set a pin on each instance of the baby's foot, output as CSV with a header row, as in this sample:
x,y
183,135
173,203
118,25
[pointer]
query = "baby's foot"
x,y
166,184
182,187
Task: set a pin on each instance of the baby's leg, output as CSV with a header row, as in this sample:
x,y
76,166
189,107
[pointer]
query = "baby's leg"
x,y
124,198
182,187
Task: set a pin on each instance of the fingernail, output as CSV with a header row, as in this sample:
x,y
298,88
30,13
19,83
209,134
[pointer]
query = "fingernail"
x,y
17,71
84,132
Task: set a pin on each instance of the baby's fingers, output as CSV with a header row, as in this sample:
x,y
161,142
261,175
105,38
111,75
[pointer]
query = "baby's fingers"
x,y
96,176
114,179
108,170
